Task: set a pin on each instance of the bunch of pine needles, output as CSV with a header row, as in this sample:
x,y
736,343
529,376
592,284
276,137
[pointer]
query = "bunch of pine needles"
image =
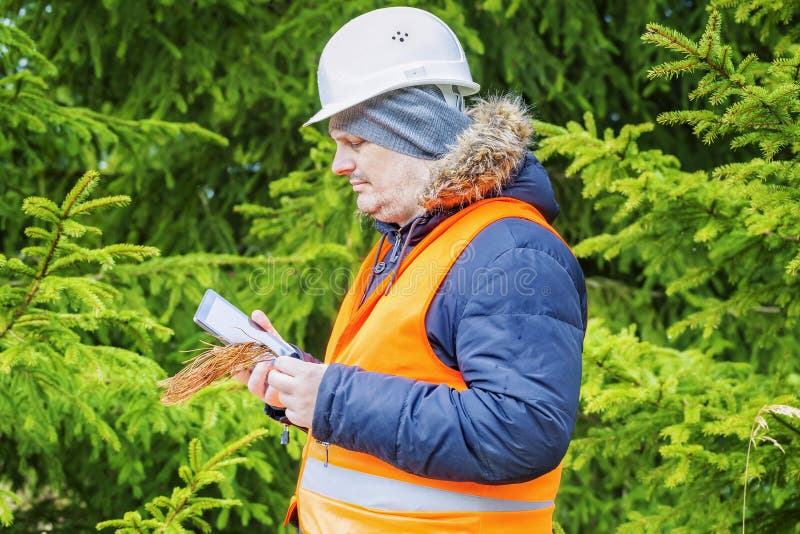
x,y
215,362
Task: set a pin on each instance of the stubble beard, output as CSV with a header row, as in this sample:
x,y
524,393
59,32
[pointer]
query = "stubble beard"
x,y
400,203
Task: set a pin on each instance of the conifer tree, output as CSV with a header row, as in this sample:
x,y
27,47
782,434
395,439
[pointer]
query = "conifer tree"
x,y
717,250
98,335
77,400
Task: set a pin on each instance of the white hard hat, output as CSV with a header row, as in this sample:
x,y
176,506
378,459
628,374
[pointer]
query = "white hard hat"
x,y
387,49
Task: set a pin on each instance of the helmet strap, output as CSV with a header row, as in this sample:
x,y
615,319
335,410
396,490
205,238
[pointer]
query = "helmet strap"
x,y
452,96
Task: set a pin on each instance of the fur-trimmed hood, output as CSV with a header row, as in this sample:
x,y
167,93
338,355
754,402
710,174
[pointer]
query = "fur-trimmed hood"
x,y
490,158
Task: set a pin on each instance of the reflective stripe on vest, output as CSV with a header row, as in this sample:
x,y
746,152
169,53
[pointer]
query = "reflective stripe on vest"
x,y
388,495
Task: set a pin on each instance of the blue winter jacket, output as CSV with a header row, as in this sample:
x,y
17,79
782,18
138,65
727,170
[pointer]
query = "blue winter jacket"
x,y
511,318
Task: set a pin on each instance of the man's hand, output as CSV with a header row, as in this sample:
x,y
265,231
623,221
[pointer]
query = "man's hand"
x,y
297,383
256,378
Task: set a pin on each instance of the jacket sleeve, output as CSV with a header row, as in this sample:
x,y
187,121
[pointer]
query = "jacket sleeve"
x,y
518,344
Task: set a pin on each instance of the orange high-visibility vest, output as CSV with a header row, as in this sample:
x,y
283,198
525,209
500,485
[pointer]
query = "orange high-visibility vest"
x,y
342,491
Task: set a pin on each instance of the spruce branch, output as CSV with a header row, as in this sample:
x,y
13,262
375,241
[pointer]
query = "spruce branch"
x,y
34,288
674,40
48,206
793,267
81,190
710,38
42,208
51,253
116,201
168,514
6,516
672,69
19,42
188,262
669,38
35,232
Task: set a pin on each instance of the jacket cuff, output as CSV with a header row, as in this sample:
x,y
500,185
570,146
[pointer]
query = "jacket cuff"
x,y
300,354
279,414
321,427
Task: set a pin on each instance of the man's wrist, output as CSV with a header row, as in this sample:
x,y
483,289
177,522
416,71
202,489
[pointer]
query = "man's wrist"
x,y
278,414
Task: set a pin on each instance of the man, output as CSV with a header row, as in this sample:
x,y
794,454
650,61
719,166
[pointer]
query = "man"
x,y
450,385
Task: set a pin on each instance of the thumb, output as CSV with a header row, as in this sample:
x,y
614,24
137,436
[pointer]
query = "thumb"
x,y
261,319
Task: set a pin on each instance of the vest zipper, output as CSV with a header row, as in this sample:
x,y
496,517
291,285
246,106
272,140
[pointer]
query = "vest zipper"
x,y
324,444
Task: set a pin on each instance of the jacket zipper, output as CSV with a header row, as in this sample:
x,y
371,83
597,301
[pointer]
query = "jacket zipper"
x,y
396,248
324,444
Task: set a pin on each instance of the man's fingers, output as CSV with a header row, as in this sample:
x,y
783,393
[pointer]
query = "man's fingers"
x,y
272,398
291,366
261,319
291,415
297,383
257,383
281,381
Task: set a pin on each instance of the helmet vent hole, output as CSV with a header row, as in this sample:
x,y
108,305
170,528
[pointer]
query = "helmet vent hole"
x,y
401,36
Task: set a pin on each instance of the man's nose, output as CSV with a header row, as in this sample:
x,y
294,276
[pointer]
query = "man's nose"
x,y
342,163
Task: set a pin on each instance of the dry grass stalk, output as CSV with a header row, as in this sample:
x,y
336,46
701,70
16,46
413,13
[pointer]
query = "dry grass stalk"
x,y
212,364
758,433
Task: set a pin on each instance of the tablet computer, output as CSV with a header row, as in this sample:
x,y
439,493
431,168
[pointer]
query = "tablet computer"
x,y
228,323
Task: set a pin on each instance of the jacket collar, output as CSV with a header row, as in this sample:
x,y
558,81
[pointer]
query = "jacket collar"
x,y
489,158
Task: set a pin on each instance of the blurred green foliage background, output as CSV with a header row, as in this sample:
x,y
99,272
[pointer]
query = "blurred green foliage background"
x,y
192,108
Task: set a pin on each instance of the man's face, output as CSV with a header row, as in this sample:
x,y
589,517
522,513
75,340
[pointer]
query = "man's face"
x,y
388,183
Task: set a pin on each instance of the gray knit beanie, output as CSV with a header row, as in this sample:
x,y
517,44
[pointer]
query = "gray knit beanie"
x,y
413,120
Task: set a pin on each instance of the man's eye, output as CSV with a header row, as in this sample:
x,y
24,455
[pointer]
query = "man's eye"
x,y
356,144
